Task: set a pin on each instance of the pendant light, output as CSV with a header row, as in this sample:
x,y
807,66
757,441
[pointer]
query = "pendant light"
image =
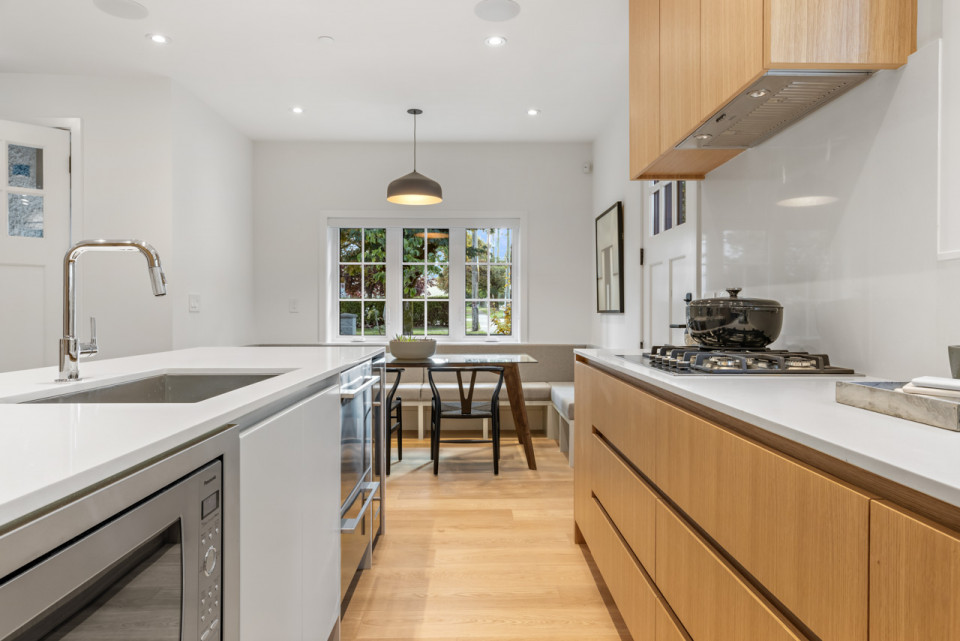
x,y
414,188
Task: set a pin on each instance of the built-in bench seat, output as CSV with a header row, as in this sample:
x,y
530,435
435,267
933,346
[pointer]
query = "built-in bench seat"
x,y
561,398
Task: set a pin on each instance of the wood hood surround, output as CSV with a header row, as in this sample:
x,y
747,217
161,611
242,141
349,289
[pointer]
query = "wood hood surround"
x,y
689,58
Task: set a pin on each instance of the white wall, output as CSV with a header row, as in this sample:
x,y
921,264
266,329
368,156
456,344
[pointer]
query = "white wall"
x,y
212,227
127,177
611,163
295,182
157,165
858,278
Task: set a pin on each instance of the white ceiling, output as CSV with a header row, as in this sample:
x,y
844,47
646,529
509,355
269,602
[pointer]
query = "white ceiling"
x,y
252,60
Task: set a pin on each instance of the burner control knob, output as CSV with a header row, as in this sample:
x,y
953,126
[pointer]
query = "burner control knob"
x,y
733,291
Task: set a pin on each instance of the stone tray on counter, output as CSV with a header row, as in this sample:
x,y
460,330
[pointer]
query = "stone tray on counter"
x,y
884,397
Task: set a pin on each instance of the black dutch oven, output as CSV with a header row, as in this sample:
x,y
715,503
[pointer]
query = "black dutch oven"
x,y
734,323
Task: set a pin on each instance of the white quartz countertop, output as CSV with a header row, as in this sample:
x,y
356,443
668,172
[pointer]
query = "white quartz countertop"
x,y
804,409
48,452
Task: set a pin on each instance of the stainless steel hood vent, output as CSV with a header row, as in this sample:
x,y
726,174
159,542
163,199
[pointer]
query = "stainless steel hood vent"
x,y
771,104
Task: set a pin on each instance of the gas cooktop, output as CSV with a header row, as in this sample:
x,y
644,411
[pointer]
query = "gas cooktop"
x,y
700,361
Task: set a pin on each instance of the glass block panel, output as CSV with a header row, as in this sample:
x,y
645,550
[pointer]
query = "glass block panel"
x,y
681,202
413,317
351,282
350,318
668,206
374,281
375,245
656,213
414,282
476,281
438,318
25,215
501,245
351,241
438,281
24,167
501,318
476,318
477,245
500,286
414,245
373,322
438,245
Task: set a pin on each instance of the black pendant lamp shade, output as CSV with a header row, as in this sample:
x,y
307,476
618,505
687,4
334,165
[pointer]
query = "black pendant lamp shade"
x,y
414,188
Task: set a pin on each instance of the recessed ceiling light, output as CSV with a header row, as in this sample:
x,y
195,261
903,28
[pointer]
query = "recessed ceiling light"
x,y
496,10
759,93
158,38
703,136
533,112
297,110
495,41
126,9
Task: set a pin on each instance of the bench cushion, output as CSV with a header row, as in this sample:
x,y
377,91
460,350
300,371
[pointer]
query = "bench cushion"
x,y
562,396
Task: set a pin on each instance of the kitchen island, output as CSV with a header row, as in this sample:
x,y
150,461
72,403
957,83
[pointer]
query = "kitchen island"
x,y
69,471
727,507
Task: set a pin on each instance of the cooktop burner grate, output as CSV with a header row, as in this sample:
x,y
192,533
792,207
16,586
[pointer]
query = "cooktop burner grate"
x,y
705,361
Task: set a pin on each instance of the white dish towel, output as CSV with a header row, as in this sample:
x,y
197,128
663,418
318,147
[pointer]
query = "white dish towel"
x,y
937,382
910,388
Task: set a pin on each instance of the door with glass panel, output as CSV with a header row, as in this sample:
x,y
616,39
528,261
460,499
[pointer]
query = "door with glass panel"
x,y
671,258
35,234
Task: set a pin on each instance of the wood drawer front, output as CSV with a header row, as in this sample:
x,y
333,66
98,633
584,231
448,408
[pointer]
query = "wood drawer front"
x,y
914,577
635,597
626,416
668,627
710,598
630,503
803,535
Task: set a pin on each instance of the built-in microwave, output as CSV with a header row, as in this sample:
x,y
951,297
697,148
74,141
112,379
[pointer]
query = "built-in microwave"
x,y
153,572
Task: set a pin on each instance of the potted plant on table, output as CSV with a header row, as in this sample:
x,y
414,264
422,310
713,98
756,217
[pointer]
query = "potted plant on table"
x,y
413,348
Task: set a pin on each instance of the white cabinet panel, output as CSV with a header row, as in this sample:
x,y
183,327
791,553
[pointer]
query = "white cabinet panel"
x,y
290,522
321,515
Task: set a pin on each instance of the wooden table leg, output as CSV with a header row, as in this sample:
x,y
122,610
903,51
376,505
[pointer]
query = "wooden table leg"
x,y
511,376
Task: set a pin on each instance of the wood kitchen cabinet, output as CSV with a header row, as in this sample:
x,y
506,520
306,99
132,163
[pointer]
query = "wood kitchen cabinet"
x,y
689,58
803,534
914,577
290,522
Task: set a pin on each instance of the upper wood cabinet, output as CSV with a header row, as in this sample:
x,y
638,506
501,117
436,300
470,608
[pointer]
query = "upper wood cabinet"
x,y
688,58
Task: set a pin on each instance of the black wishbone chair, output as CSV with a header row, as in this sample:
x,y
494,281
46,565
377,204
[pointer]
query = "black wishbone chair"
x,y
465,408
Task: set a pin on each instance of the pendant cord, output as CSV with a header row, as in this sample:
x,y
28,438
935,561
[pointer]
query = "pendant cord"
x,y
414,142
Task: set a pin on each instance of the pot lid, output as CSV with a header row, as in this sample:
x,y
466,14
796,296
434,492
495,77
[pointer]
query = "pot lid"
x,y
735,301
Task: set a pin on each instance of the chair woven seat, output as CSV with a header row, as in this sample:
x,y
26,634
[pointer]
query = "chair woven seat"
x,y
477,410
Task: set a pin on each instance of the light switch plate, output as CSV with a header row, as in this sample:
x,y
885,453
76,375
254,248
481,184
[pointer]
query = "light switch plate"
x,y
193,303
293,306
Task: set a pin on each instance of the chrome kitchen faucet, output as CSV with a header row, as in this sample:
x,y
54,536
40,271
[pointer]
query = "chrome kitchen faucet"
x,y
71,349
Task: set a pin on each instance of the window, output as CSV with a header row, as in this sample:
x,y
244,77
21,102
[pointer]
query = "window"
x,y
426,281
457,283
487,285
363,281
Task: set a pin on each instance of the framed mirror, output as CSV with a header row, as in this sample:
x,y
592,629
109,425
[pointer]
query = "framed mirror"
x,y
610,260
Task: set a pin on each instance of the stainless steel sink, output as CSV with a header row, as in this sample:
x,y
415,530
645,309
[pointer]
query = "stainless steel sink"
x,y
166,388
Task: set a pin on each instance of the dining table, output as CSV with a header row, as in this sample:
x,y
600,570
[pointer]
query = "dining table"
x,y
511,379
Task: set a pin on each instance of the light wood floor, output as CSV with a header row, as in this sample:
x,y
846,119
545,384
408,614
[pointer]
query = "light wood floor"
x,y
468,555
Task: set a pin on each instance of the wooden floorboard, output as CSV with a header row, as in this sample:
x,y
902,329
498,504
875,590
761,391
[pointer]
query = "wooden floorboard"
x,y
470,555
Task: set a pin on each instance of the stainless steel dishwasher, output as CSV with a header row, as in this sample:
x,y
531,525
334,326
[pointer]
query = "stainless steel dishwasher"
x,y
361,506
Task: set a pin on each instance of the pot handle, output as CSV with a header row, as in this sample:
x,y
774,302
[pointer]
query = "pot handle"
x,y
680,326
733,291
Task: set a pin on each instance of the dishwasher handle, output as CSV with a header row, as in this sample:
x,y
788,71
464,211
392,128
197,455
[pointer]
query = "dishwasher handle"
x,y
348,394
349,526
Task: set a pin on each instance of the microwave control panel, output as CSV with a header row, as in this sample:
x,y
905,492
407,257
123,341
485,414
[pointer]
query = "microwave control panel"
x,y
211,537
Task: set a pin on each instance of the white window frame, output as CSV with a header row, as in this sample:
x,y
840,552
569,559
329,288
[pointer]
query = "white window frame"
x,y
456,222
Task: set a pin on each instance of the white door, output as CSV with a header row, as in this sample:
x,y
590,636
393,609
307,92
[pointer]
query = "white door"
x,y
34,236
671,258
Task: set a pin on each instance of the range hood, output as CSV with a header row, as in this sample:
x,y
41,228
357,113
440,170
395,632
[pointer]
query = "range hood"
x,y
771,104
